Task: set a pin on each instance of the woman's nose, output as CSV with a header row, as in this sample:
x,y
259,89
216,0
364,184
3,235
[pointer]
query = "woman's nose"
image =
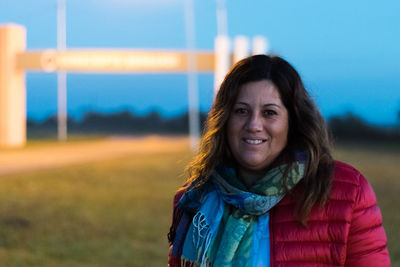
x,y
254,123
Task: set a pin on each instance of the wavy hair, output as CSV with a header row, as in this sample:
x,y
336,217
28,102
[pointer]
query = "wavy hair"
x,y
307,130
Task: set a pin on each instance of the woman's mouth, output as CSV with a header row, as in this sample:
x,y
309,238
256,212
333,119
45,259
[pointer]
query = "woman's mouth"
x,y
254,141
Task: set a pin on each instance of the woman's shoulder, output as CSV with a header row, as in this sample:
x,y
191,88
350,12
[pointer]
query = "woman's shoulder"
x,y
366,241
350,184
346,173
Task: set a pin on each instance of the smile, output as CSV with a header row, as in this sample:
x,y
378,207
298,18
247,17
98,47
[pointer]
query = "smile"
x,y
254,141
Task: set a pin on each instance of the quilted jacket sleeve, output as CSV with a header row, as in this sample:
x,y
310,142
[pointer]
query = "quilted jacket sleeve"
x,y
366,244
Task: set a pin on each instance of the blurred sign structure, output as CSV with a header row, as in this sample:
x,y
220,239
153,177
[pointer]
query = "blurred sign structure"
x,y
12,87
15,60
135,61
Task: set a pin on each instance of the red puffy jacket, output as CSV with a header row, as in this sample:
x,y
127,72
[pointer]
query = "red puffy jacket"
x,y
346,232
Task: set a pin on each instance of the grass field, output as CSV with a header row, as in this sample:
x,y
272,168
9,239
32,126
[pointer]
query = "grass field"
x,y
116,211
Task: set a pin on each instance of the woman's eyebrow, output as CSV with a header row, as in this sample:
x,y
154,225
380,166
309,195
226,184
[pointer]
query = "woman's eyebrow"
x,y
265,105
272,104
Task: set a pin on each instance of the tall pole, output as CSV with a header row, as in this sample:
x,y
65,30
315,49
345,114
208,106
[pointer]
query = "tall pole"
x,y
222,46
193,94
222,18
61,75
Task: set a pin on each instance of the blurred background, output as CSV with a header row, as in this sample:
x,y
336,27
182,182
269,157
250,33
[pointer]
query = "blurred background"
x,y
104,197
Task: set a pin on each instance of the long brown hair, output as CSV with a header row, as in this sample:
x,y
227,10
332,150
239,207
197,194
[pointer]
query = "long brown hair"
x,y
307,130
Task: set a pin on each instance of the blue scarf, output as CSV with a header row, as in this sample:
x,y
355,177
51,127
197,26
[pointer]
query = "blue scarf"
x,y
230,225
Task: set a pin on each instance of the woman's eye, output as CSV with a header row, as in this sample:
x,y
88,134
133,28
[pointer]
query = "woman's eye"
x,y
241,111
270,112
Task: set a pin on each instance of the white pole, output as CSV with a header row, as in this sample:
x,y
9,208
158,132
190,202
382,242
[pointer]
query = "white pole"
x,y
222,18
260,45
221,46
222,60
241,48
61,75
193,94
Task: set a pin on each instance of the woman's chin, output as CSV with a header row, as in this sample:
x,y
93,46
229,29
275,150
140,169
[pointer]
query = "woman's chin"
x,y
255,165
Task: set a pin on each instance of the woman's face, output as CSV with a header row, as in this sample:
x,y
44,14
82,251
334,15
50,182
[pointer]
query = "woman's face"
x,y
258,126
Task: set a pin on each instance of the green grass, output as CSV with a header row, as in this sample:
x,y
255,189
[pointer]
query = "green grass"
x,y
117,212
111,213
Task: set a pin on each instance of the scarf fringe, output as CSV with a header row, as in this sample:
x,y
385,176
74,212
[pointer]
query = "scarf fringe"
x,y
202,234
187,263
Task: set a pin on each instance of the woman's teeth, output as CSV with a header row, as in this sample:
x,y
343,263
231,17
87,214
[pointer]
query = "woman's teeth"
x,y
253,142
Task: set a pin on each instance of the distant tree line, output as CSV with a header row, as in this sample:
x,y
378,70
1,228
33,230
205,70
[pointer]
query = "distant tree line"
x,y
352,128
124,122
342,128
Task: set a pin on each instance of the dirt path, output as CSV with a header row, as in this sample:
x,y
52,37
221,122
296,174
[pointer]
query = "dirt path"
x,y
60,154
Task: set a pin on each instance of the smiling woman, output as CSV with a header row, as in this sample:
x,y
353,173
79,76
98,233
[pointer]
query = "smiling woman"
x,y
257,129
264,189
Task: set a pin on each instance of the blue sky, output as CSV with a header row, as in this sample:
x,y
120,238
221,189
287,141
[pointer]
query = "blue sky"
x,y
348,52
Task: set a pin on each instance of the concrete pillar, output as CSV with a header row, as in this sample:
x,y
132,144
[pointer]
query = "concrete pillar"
x,y
12,87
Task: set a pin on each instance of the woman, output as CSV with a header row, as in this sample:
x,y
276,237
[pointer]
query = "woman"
x,y
264,190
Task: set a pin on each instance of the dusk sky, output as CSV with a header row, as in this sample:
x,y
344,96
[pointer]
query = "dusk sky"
x,y
348,52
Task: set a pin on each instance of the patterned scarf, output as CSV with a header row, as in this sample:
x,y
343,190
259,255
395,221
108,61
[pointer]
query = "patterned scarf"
x,y
230,225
